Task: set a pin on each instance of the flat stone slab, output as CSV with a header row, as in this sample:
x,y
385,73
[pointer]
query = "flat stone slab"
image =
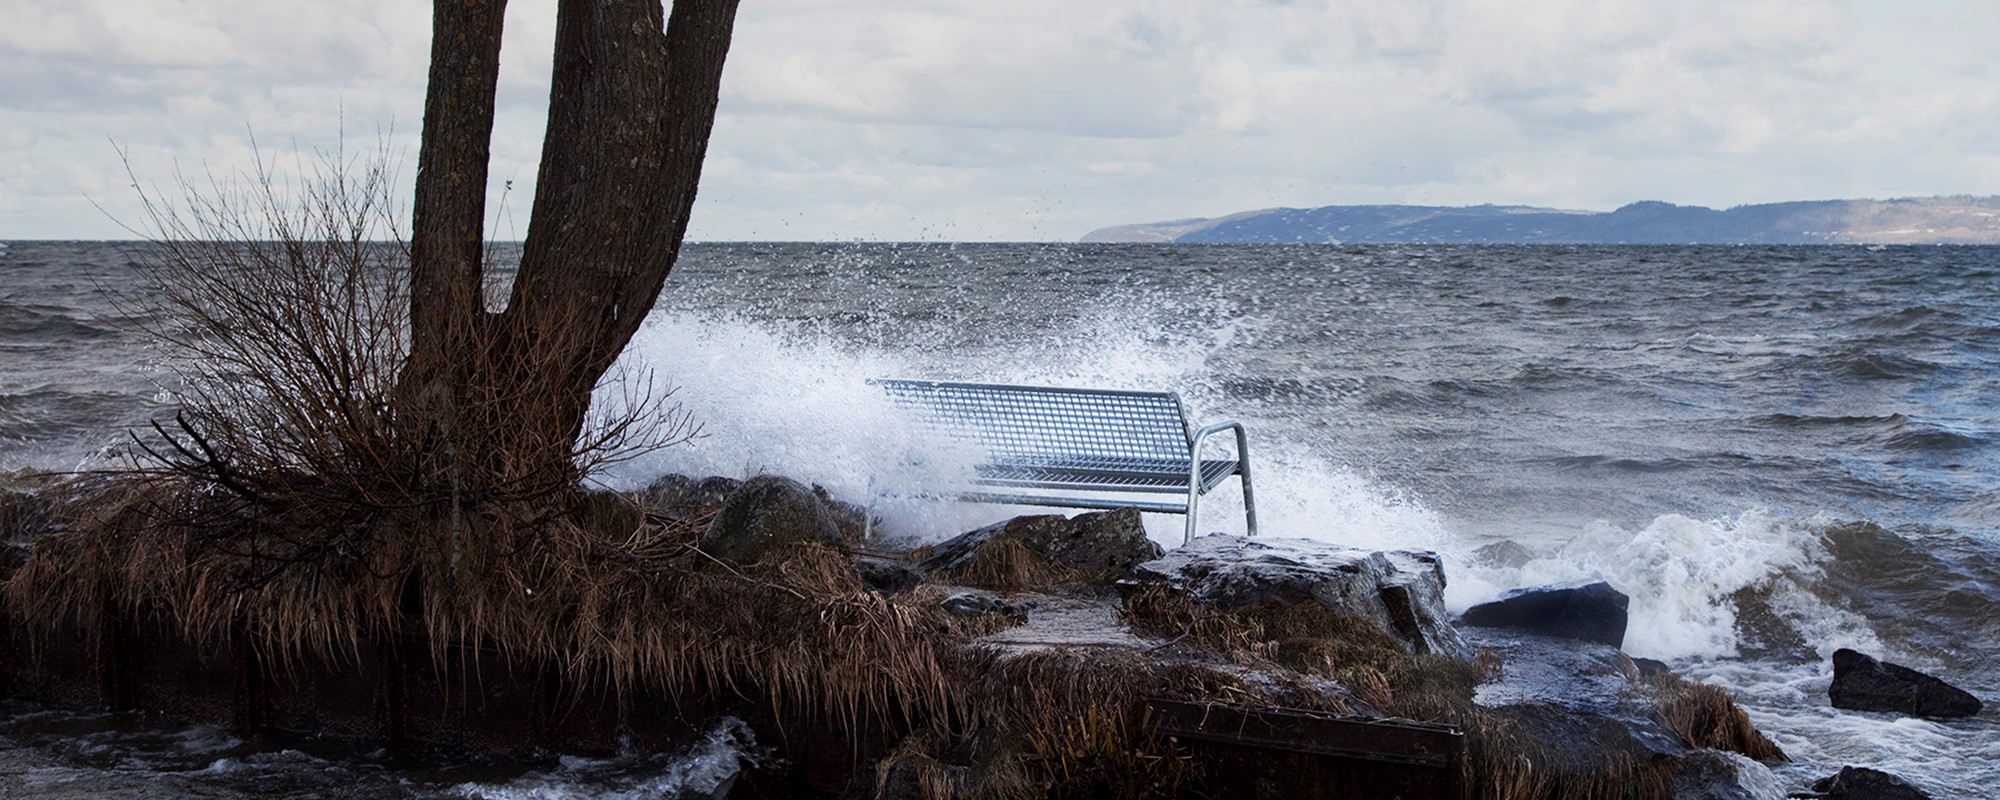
x,y
1066,622
1400,592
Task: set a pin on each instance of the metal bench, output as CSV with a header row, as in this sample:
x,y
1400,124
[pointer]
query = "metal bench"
x,y
1094,442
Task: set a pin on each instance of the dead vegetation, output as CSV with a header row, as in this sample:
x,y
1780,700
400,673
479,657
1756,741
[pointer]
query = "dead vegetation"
x,y
1707,716
1003,563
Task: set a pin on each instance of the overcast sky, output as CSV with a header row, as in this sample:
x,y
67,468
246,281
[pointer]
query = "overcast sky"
x,y
1044,119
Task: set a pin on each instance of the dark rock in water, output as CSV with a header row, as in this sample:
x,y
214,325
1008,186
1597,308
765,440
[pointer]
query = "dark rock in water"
x,y
887,576
1505,553
1590,613
768,513
1401,593
1652,668
1861,683
1592,717
1710,775
1862,783
1099,546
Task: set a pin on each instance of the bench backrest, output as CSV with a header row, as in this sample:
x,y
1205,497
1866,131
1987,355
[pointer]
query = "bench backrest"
x,y
1034,422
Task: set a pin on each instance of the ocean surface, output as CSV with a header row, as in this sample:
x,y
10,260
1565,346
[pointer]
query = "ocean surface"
x,y
1776,451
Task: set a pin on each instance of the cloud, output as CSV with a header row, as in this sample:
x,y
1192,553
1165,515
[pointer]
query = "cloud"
x,y
925,119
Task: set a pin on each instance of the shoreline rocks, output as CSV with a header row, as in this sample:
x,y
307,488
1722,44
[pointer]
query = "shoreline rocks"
x,y
1592,612
1861,683
1861,783
1401,593
1097,547
765,514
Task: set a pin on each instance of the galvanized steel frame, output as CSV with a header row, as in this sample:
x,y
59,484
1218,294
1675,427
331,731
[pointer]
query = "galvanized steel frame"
x,y
1086,440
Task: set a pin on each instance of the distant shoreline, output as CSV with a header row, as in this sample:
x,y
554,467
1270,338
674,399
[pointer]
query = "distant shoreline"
x,y
1962,220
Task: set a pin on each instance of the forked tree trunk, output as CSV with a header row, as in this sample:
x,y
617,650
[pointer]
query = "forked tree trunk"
x,y
495,402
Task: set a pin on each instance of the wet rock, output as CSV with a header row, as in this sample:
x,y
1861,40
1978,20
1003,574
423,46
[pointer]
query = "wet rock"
x,y
1400,593
765,514
1413,594
1590,613
1504,553
1586,714
1715,775
1861,783
1100,546
887,576
973,604
1861,683
1652,668
1584,677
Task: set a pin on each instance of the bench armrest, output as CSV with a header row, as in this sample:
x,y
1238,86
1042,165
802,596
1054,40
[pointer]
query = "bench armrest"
x,y
1242,443
1242,469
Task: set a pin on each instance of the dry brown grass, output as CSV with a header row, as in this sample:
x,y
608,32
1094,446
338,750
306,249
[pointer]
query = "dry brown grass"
x,y
628,609
1707,716
1308,638
1003,563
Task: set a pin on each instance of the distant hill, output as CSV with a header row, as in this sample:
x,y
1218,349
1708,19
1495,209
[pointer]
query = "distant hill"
x,y
1924,220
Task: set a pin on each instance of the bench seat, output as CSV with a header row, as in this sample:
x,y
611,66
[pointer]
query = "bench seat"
x,y
1105,475
1097,447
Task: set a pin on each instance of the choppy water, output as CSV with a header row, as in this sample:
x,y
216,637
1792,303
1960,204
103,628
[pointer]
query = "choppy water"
x,y
1808,430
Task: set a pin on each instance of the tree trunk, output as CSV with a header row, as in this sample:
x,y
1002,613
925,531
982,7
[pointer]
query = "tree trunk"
x,y
493,403
630,111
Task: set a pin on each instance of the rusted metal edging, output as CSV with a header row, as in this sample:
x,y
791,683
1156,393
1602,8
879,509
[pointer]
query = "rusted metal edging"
x,y
1283,752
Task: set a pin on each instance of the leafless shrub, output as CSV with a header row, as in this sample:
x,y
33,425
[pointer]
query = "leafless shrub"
x,y
283,310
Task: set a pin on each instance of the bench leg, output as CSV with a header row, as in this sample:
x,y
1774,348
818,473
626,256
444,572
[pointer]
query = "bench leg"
x,y
1249,503
868,515
1194,501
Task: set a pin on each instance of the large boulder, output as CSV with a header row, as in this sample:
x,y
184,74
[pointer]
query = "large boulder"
x,y
768,513
1401,593
1588,714
1098,547
681,497
1862,783
1861,683
1590,613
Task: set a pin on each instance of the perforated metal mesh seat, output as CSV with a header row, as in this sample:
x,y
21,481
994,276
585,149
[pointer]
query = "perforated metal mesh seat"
x,y
1077,440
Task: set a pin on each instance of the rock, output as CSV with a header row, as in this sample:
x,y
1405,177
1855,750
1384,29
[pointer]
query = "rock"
x,y
1651,668
1716,775
679,496
1413,594
1400,593
1861,783
1099,547
850,518
1590,613
1583,677
1590,719
768,513
1860,683
972,604
887,576
1504,553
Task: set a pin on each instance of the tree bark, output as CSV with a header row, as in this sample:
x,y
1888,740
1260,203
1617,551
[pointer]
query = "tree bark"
x,y
448,214
494,403
630,111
